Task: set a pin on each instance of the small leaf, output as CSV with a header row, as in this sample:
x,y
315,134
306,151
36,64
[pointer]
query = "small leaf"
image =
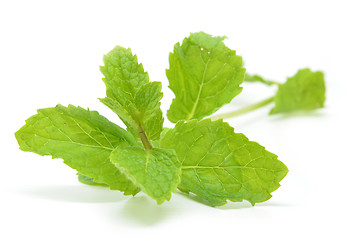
x,y
130,94
304,91
156,171
123,75
219,165
204,75
82,138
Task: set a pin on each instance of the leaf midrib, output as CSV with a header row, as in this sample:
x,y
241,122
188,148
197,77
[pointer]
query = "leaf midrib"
x,y
199,93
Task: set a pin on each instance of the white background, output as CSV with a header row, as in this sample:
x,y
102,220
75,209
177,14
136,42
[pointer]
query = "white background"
x,y
50,52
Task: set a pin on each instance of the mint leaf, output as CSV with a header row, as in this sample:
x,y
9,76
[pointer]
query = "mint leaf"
x,y
257,78
204,75
130,94
156,171
123,75
82,138
304,91
219,165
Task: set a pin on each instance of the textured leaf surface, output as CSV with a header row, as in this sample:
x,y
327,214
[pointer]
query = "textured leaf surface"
x,y
82,138
156,171
204,75
123,75
135,99
304,91
218,164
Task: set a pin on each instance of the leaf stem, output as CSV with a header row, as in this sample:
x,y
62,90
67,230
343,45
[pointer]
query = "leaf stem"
x,y
145,141
244,110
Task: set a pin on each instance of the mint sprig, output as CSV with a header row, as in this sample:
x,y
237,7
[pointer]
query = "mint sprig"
x,y
198,155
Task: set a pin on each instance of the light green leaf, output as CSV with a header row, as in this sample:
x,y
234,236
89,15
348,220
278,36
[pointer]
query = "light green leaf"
x,y
123,75
204,75
219,165
257,78
156,171
82,138
131,95
304,91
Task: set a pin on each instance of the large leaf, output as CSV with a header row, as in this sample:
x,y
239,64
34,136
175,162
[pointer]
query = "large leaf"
x,y
304,91
131,95
204,75
156,171
82,138
219,165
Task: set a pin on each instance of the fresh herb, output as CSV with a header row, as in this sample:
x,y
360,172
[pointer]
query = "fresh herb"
x,y
198,155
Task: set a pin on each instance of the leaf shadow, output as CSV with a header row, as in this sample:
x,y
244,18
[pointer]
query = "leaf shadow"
x,y
236,205
143,211
138,210
75,193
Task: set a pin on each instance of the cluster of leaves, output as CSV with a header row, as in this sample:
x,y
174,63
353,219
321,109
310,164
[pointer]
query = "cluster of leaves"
x,y
198,155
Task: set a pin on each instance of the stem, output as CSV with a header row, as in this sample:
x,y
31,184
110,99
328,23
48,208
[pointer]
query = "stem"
x,y
144,140
274,83
244,110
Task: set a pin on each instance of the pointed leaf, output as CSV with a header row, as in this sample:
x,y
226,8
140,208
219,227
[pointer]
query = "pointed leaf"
x,y
123,75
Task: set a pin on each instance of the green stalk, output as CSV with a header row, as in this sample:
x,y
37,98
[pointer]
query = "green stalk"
x,y
146,143
244,110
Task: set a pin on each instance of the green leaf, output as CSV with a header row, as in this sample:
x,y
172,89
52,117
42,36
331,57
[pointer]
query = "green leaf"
x,y
257,78
156,171
123,75
204,75
82,138
304,91
219,165
130,94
